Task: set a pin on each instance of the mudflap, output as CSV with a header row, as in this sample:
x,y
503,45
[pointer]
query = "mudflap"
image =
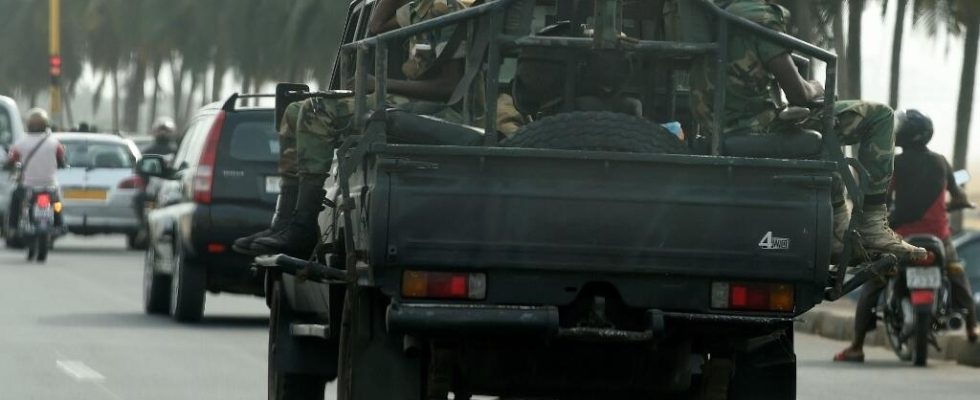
x,y
375,364
303,354
765,368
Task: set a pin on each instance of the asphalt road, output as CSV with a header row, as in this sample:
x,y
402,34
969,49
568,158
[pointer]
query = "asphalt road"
x,y
74,329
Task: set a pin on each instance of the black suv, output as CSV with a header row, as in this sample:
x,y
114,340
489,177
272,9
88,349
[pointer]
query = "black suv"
x,y
222,184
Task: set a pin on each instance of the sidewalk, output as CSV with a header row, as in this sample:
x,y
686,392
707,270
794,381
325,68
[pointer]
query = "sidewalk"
x,y
836,321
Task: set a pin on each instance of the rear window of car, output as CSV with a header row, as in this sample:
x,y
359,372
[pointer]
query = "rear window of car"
x,y
255,141
88,154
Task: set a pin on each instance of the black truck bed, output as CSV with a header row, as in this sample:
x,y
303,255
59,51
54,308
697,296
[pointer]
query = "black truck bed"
x,y
544,223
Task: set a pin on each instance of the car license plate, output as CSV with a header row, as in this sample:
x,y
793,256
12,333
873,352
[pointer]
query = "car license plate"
x,y
272,184
86,194
923,278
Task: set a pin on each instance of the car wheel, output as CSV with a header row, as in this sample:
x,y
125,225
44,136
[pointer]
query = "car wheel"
x,y
156,286
187,288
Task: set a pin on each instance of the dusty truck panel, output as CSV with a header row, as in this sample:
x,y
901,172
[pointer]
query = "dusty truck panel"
x,y
656,219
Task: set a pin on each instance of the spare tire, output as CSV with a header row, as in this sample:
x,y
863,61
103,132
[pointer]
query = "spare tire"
x,y
597,131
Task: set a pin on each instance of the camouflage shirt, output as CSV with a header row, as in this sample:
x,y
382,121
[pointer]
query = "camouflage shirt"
x,y
750,104
426,48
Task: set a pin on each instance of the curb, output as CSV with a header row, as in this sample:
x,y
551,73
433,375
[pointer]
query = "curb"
x,y
838,323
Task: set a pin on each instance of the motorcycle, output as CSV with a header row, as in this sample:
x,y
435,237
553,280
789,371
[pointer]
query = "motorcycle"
x,y
917,305
37,228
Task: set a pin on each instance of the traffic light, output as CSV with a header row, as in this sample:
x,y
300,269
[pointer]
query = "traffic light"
x,y
55,66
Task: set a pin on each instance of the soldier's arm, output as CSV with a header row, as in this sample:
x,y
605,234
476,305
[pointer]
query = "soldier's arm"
x,y
438,88
383,18
798,91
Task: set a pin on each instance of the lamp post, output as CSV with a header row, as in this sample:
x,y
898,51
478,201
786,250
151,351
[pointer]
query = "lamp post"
x,y
54,51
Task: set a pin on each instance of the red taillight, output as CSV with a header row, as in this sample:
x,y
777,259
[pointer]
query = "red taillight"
x,y
444,285
752,296
44,200
216,248
133,182
922,297
204,176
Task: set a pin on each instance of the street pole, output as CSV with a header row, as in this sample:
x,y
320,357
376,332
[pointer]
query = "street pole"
x,y
54,50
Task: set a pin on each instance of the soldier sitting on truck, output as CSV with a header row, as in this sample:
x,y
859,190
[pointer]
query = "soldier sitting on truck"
x,y
433,70
756,67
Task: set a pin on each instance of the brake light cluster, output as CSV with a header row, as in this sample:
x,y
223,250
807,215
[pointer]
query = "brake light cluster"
x,y
922,297
133,182
444,285
43,200
752,296
204,176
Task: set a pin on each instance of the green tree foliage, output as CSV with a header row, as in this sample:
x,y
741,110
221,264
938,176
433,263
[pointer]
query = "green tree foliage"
x,y
132,42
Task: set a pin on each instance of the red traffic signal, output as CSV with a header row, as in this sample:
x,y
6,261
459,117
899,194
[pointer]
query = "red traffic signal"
x,y
55,62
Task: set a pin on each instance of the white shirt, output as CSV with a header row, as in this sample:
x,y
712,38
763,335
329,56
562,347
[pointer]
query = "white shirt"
x,y
41,169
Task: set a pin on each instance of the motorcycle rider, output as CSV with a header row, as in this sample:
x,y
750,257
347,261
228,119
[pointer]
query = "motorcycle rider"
x,y
163,132
40,156
757,67
312,129
919,188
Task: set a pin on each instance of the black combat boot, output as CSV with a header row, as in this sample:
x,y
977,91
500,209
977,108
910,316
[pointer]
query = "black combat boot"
x,y
280,220
300,237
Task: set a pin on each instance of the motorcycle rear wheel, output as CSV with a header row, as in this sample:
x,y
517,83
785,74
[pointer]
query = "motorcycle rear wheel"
x,y
919,342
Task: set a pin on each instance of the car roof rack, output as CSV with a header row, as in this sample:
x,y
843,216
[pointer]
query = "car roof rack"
x,y
233,100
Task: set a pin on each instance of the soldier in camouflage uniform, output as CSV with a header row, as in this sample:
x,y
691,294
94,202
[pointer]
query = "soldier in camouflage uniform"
x,y
434,67
288,186
758,70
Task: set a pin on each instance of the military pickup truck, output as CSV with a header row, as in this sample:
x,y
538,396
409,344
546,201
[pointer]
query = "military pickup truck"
x,y
593,254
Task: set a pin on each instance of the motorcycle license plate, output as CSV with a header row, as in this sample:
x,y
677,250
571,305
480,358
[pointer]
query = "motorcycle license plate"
x,y
923,278
272,184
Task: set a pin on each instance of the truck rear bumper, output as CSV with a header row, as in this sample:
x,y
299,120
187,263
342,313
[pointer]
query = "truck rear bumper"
x,y
543,321
483,319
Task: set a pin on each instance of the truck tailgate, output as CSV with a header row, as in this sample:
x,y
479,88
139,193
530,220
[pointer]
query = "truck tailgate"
x,y
610,214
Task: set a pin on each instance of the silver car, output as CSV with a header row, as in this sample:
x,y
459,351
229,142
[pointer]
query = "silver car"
x,y
99,186
11,130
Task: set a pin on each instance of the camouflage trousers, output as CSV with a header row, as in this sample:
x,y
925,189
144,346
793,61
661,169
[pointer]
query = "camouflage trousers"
x,y
288,167
870,125
314,128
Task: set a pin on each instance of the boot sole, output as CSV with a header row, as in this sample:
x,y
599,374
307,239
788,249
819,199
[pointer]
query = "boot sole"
x,y
245,250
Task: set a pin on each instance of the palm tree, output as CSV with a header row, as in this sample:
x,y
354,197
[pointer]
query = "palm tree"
x,y
855,9
967,14
897,39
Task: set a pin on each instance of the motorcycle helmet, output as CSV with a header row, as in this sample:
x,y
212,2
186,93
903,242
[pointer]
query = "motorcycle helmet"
x,y
913,129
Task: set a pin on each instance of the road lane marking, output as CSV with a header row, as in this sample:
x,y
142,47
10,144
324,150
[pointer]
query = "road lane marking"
x,y
79,371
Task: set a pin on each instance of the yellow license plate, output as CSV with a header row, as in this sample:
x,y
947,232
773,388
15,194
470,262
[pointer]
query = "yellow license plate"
x,y
83,194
